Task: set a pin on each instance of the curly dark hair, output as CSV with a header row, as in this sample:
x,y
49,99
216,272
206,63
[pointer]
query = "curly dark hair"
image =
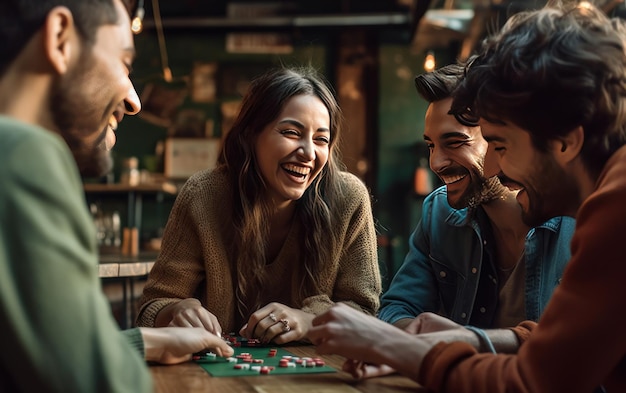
x,y
549,71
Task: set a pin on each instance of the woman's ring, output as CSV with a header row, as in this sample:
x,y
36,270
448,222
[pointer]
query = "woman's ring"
x,y
273,317
286,326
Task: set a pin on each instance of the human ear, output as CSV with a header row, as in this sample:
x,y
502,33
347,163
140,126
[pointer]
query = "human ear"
x,y
568,147
59,38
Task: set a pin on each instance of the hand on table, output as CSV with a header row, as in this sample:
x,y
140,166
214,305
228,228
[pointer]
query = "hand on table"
x,y
345,331
190,313
361,370
277,323
171,345
422,324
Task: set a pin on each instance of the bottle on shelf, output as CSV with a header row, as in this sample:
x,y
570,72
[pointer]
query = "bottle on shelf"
x,y
130,172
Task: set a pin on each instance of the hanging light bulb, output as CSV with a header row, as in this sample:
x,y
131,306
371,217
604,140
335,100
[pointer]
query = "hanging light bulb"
x,y
137,23
429,62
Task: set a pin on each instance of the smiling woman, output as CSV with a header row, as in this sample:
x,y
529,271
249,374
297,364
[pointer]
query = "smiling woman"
x,y
276,233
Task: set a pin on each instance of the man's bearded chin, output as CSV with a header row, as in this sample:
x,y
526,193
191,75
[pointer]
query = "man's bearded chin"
x,y
93,166
92,161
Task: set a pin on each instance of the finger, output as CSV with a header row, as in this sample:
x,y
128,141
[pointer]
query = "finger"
x,y
265,324
224,350
284,336
353,367
217,345
259,330
210,323
256,317
243,332
272,333
371,370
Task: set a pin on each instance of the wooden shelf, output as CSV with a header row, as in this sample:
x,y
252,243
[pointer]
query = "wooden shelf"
x,y
134,195
165,187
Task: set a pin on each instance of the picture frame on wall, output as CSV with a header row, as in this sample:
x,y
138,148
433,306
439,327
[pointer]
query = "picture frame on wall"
x,y
234,79
202,82
185,156
160,102
189,123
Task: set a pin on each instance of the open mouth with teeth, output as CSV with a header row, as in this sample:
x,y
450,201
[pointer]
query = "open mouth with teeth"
x,y
514,187
110,137
113,122
297,171
510,184
450,179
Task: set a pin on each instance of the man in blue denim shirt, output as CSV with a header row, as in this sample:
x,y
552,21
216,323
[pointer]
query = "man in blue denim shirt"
x,y
465,254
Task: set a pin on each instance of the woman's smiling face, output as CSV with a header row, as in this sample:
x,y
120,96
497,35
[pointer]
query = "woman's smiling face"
x,y
293,149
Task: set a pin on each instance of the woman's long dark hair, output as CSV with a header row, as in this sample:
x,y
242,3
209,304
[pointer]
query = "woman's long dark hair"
x,y
262,104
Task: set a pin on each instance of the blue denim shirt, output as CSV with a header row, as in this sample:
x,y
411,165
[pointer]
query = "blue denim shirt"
x,y
450,267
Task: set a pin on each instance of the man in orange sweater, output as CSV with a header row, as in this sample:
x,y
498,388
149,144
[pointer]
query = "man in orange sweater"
x,y
550,93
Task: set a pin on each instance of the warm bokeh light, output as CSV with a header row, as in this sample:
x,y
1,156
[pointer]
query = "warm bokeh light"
x,y
429,62
136,25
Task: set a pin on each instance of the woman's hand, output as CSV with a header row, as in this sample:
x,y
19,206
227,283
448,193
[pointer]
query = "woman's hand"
x,y
277,323
190,313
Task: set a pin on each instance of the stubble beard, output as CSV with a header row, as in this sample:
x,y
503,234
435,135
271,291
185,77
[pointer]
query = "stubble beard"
x,y
480,191
75,123
551,192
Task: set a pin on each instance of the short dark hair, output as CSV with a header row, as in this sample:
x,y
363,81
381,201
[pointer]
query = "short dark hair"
x,y
20,19
441,84
549,71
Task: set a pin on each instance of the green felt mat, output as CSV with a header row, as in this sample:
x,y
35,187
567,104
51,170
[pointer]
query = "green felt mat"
x,y
220,367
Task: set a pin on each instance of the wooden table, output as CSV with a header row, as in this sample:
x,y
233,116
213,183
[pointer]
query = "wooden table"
x,y
191,378
126,269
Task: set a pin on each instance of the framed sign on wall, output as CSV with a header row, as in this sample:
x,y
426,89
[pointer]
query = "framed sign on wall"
x,y
186,156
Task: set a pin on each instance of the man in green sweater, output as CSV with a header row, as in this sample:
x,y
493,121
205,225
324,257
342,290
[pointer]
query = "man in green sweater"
x,y
64,86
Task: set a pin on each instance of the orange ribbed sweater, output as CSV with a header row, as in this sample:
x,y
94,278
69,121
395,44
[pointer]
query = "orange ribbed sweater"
x,y
580,341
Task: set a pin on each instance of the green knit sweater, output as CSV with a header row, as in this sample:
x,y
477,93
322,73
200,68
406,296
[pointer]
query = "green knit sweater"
x,y
58,334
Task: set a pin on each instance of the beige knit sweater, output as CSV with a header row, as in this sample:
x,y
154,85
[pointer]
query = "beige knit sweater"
x,y
196,256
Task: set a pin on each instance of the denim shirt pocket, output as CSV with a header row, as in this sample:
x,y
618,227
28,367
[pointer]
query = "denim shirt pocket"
x,y
447,282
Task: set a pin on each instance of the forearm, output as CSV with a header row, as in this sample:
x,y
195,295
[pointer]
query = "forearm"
x,y
503,340
403,323
403,353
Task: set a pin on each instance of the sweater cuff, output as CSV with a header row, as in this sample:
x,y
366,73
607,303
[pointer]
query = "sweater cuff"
x,y
135,339
317,304
523,331
148,313
439,360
